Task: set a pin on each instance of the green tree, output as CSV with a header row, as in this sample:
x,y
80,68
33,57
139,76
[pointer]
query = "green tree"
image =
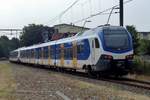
x,y
144,47
7,45
14,43
4,42
34,34
1,51
135,38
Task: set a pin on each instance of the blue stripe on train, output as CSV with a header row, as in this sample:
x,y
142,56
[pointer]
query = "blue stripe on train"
x,y
55,52
84,55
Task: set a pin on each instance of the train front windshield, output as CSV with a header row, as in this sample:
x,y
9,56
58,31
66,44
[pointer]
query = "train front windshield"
x,y
116,39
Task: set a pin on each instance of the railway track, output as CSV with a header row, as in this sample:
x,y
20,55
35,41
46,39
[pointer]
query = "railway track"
x,y
129,82
122,81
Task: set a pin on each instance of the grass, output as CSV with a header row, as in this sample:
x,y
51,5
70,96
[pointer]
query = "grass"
x,y
84,85
6,82
87,89
105,92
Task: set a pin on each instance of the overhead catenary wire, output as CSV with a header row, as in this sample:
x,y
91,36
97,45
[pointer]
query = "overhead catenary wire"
x,y
62,13
99,13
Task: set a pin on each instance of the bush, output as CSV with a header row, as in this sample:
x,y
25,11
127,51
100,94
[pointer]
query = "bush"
x,y
141,66
135,38
144,47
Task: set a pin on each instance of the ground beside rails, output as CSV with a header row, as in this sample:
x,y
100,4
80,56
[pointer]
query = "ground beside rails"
x,y
27,82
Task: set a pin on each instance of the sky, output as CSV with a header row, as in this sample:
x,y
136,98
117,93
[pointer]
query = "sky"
x,y
20,13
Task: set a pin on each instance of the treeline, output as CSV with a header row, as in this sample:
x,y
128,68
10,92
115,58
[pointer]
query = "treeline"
x,y
7,45
32,34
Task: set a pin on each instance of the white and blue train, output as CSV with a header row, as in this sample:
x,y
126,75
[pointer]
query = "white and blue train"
x,y
105,49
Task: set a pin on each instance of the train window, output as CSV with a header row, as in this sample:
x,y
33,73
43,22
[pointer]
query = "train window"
x,y
32,53
97,43
68,53
40,53
27,55
65,53
80,48
45,52
61,51
71,53
36,53
92,44
49,52
52,53
58,53
24,54
21,54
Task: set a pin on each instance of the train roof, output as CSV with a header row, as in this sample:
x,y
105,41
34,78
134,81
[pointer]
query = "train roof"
x,y
79,36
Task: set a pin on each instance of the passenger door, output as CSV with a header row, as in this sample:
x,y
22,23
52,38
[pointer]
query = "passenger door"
x,y
95,50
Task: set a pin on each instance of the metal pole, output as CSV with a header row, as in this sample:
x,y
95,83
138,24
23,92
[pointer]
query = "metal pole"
x,y
121,13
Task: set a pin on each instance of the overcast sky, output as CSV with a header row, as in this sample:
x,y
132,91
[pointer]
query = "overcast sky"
x,y
18,13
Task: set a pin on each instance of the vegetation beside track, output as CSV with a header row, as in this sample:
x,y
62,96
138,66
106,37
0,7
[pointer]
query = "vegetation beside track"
x,y
7,83
141,66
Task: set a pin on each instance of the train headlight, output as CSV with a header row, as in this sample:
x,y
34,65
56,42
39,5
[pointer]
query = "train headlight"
x,y
129,57
108,57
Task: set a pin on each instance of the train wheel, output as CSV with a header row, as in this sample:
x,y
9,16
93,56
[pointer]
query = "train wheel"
x,y
90,72
98,75
74,70
60,69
